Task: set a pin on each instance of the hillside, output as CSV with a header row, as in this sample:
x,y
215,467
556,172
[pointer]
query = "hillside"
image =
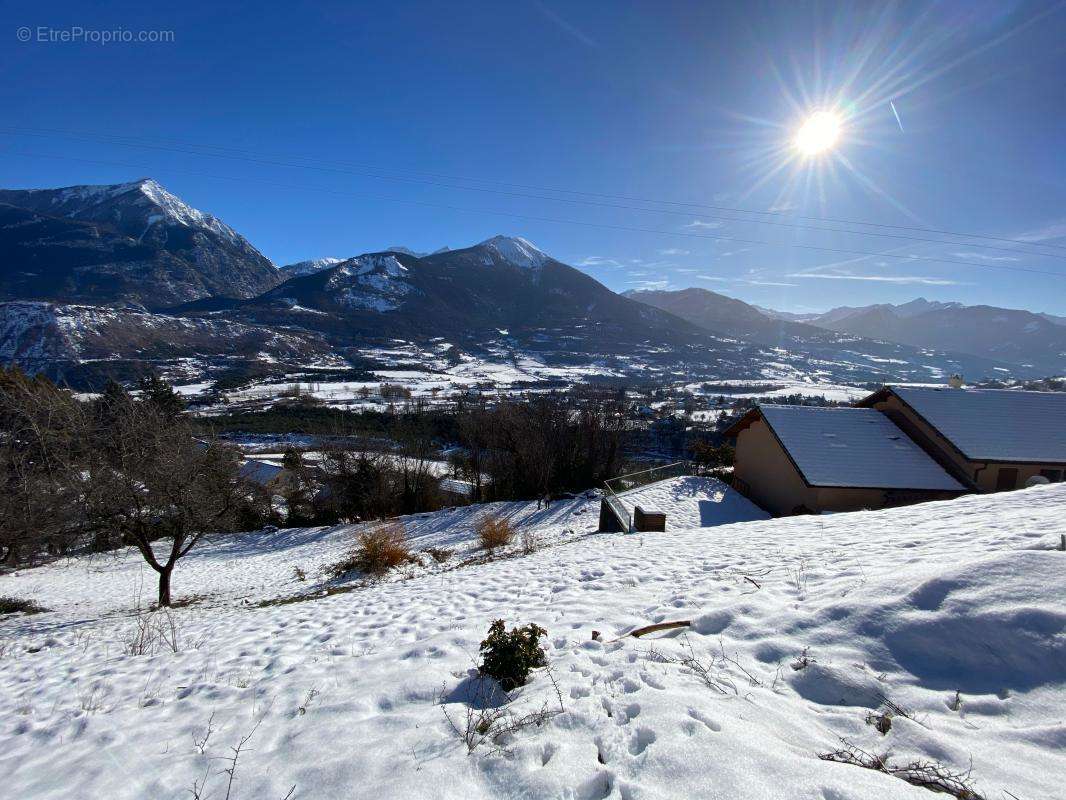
x,y
83,345
804,632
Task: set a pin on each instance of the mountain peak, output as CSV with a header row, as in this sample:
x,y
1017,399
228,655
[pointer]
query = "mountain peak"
x,y
309,267
515,250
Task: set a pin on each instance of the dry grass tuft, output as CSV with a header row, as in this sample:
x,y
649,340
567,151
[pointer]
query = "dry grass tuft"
x,y
494,532
377,550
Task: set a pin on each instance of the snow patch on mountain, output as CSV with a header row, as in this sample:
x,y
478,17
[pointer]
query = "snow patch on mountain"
x,y
37,335
373,282
309,267
176,211
85,202
516,251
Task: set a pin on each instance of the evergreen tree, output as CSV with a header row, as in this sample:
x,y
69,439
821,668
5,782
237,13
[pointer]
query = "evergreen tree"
x,y
292,460
159,393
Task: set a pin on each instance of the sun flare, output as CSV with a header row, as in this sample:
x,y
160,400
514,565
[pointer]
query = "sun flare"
x,y
819,133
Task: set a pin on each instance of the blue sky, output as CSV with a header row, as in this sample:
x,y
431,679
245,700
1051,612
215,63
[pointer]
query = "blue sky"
x,y
618,137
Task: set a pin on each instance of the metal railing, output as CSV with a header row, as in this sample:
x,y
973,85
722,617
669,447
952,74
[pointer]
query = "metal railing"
x,y
625,519
633,480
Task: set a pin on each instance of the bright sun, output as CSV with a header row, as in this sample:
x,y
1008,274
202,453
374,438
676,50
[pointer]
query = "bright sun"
x,y
818,134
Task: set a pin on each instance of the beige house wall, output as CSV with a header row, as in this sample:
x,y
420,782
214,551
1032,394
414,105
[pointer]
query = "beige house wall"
x,y
984,474
769,477
836,498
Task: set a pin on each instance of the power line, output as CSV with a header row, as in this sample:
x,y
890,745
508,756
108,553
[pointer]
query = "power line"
x,y
558,220
377,173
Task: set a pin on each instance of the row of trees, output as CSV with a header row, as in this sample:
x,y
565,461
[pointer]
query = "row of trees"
x,y
527,448
540,446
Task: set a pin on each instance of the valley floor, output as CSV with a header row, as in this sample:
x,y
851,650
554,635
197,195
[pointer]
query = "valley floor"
x,y
801,629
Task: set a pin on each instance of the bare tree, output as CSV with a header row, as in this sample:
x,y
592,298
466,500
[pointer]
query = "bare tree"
x,y
160,487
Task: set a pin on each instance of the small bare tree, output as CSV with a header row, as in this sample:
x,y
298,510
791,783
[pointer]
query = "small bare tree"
x,y
155,483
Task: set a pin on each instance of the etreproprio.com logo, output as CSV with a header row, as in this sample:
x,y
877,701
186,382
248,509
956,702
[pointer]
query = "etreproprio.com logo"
x,y
76,34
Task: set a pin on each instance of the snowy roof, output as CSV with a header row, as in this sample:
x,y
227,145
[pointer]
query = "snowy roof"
x,y
854,447
464,488
995,424
261,472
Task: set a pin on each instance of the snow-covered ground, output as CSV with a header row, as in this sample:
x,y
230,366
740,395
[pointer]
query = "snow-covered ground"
x,y
952,611
691,502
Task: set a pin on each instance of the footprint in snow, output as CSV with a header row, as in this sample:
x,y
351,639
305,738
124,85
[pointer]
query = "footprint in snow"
x,y
708,723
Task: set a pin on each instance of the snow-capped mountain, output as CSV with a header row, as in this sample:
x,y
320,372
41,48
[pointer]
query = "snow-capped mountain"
x,y
407,251
513,250
134,250
125,242
374,282
310,267
134,207
469,293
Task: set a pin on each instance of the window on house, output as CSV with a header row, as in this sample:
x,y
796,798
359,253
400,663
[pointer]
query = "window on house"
x,y
1053,475
1006,478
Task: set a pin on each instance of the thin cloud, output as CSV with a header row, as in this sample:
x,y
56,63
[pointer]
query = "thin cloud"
x,y
782,206
896,279
673,251
984,257
743,281
598,261
700,224
661,284
568,27
1055,230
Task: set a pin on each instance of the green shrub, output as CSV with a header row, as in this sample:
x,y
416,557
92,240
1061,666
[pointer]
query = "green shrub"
x,y
510,657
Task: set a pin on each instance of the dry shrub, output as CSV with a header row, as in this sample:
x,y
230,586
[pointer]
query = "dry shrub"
x,y
378,550
529,542
494,532
438,554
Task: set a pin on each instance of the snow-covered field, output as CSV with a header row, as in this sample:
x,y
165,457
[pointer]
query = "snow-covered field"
x,y
952,611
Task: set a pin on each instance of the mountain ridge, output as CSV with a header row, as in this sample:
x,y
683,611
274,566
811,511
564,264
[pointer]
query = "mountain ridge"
x,y
155,263
1013,335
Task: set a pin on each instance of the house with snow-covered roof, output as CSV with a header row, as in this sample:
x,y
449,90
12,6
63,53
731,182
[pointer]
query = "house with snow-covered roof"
x,y
991,440
803,459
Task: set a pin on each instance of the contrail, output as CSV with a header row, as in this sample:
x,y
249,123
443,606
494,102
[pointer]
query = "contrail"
x,y
898,120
